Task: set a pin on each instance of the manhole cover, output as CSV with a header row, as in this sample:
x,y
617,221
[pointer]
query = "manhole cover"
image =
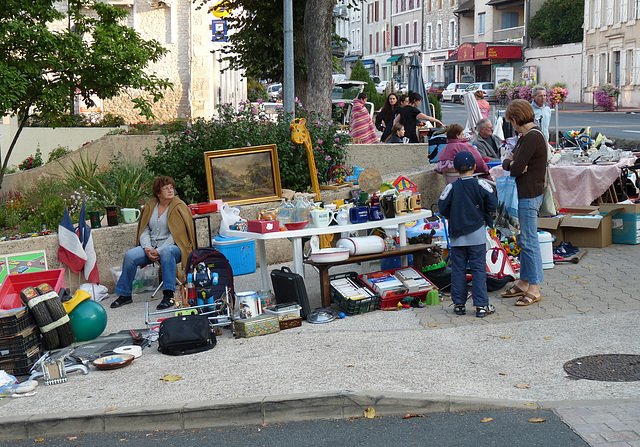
x,y
605,367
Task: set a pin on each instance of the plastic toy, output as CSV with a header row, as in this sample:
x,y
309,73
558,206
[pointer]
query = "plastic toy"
x,y
356,173
404,184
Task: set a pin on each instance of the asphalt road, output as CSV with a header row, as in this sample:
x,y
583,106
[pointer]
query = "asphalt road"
x,y
500,428
612,124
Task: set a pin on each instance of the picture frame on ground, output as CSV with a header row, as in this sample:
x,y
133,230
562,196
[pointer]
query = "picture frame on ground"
x,y
243,175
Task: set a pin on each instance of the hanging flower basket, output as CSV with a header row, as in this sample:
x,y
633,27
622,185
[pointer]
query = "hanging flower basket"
x,y
606,97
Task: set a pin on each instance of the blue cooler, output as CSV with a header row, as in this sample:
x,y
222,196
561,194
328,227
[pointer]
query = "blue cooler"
x,y
240,252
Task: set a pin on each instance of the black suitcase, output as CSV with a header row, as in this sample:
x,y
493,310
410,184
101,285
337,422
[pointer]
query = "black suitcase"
x,y
289,287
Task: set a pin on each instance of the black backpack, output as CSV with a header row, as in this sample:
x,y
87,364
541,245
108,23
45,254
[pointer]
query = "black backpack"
x,y
214,262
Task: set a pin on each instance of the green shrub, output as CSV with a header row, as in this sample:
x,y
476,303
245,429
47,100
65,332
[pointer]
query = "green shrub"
x,y
58,152
32,161
255,90
109,120
180,155
436,104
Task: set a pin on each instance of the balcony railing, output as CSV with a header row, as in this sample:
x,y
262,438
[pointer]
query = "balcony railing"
x,y
509,34
466,39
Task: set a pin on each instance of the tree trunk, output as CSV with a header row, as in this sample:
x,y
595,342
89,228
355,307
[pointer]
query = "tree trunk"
x,y
318,18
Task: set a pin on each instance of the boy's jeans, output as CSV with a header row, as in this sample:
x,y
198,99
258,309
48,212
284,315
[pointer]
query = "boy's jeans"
x,y
475,255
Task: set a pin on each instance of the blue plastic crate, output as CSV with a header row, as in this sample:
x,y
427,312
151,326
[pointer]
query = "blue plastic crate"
x,y
240,252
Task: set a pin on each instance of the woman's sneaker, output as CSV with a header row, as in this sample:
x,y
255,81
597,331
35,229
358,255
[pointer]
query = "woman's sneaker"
x,y
459,309
483,311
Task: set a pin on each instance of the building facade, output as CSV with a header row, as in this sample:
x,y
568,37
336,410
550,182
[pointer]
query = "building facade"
x,y
612,48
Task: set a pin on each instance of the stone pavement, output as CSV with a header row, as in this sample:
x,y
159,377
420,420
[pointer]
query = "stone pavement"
x,y
409,361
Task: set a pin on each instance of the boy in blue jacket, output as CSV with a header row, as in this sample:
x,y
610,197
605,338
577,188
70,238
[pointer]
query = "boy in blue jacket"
x,y
467,203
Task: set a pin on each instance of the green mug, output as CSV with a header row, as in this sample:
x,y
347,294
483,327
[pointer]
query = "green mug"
x,y
95,217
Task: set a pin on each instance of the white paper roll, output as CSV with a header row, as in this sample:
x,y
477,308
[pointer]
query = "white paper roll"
x,y
135,351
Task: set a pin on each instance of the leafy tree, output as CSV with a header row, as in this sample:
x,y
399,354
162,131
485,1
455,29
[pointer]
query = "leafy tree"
x,y
359,73
43,62
256,40
558,22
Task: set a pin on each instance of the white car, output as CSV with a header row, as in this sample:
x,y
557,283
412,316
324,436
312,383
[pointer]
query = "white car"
x,y
273,92
454,91
342,101
381,87
486,87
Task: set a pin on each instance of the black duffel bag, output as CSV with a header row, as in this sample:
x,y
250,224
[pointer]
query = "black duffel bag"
x,y
186,334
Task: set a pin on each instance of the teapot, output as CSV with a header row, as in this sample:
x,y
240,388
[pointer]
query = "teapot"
x,y
270,214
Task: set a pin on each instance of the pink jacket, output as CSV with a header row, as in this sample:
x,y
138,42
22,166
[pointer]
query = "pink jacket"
x,y
445,158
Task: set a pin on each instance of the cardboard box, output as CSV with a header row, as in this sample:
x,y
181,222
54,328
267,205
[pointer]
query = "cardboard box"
x,y
625,223
587,230
552,225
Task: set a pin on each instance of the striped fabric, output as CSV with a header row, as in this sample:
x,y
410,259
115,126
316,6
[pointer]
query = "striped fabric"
x,y
362,130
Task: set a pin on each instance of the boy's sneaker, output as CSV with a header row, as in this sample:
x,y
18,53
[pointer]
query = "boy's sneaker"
x,y
483,311
460,309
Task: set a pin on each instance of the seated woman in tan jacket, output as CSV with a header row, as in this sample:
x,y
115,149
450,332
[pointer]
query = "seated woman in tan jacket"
x,y
166,235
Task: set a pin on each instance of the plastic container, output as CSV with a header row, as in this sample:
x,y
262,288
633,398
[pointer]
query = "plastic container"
x,y
546,249
240,252
283,309
348,305
14,321
13,284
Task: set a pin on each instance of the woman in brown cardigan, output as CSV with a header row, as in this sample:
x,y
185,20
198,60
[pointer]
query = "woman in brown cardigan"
x,y
166,235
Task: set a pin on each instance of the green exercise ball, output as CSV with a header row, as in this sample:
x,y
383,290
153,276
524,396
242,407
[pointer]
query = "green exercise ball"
x,y
88,319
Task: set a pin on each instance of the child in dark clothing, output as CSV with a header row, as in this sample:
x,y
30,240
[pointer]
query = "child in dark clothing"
x,y
397,134
467,203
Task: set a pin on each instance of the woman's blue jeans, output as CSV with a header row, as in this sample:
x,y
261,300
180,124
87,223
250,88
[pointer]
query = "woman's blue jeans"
x,y
527,240
135,257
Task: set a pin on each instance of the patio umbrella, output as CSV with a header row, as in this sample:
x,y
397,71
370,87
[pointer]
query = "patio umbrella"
x,y
416,83
473,111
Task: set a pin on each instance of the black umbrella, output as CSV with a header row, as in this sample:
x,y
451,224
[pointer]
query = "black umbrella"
x,y
416,83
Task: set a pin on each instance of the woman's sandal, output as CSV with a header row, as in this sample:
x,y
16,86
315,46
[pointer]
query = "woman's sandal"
x,y
512,291
527,299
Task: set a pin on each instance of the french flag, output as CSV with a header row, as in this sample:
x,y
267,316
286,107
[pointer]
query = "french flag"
x,y
84,236
70,251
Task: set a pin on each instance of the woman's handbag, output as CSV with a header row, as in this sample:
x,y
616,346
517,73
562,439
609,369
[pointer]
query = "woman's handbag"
x,y
548,206
507,221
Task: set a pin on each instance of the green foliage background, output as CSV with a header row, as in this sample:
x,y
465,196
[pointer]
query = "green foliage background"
x,y
558,22
359,73
181,154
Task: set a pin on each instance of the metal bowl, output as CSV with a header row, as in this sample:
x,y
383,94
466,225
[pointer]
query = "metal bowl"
x,y
330,255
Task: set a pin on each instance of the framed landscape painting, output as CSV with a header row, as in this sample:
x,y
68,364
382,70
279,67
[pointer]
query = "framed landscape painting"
x,y
244,175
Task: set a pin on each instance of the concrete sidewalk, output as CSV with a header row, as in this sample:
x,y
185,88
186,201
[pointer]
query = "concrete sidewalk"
x,y
408,361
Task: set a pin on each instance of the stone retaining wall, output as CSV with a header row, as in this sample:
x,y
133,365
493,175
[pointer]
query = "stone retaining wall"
x,y
391,160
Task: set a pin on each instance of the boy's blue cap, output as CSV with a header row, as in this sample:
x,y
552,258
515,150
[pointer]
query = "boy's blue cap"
x,y
464,161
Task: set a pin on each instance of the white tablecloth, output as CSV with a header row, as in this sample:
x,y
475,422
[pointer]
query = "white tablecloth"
x,y
580,185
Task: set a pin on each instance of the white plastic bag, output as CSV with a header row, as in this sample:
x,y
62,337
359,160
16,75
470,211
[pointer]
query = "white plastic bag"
x,y
98,292
230,215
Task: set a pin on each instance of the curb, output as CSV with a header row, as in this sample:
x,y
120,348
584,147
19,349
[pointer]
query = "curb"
x,y
250,411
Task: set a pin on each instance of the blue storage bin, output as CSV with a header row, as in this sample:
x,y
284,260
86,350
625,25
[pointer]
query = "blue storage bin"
x,y
240,252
